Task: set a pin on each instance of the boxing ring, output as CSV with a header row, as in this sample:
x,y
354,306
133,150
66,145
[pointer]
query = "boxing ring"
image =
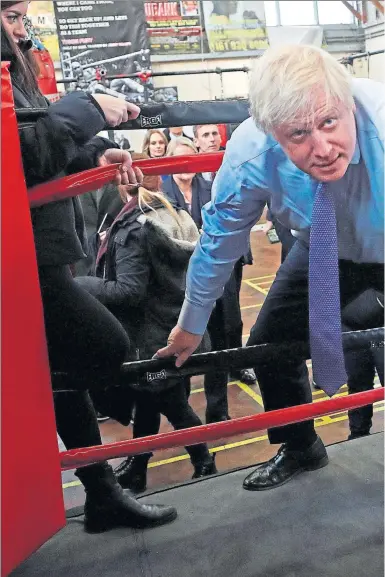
x,y
328,523
322,524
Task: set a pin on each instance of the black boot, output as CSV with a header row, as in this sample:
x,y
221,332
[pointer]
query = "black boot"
x,y
108,506
358,434
205,469
132,473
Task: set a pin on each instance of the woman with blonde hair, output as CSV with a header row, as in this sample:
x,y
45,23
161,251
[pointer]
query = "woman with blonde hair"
x,y
154,143
189,191
140,277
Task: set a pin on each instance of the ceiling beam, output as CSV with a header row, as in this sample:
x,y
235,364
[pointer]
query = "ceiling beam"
x,y
378,5
362,17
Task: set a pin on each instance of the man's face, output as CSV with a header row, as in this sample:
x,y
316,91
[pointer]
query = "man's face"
x,y
325,147
176,130
208,138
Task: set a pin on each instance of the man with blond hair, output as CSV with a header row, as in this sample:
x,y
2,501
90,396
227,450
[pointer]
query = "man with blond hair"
x,y
314,145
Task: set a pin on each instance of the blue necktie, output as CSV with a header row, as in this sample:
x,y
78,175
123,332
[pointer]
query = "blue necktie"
x,y
324,296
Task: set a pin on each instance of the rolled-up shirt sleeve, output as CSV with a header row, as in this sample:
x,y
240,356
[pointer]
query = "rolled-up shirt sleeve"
x,y
227,220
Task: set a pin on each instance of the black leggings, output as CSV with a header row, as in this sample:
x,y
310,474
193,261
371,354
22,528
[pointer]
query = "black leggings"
x,y
173,404
86,346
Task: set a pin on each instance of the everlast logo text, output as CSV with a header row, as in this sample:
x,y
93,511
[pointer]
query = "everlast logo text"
x,y
156,376
150,121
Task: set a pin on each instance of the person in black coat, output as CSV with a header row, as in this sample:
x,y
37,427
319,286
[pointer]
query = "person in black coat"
x,y
140,276
100,207
86,344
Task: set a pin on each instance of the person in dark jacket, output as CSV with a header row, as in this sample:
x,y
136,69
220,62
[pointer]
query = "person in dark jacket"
x,y
86,344
140,276
100,208
207,139
284,234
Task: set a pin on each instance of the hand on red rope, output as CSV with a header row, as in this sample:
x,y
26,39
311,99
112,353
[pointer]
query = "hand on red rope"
x,y
95,178
126,173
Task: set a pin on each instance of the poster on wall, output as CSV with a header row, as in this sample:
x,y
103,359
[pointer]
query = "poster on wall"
x,y
42,16
174,27
235,26
99,38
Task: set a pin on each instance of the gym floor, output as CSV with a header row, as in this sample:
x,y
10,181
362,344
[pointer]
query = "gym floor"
x,y
173,465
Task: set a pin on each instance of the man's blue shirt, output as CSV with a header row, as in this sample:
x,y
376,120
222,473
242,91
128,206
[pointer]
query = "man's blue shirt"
x,y
256,169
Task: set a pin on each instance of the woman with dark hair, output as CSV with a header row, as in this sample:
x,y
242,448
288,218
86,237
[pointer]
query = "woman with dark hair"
x,y
86,344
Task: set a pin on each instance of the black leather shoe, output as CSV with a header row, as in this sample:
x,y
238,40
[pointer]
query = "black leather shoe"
x,y
132,474
123,510
285,465
108,506
358,435
246,376
205,469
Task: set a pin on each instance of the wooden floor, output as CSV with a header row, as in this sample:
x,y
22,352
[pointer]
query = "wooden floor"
x,y
173,466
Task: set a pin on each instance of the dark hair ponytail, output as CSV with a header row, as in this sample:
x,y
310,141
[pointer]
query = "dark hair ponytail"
x,y
24,69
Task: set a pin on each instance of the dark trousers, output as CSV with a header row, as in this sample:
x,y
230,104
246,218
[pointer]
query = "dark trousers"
x,y
87,345
360,368
173,404
286,238
225,331
284,317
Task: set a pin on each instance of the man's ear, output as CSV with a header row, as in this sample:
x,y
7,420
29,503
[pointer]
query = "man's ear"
x,y
196,142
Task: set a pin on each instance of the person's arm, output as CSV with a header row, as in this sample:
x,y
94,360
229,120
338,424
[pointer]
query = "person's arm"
x,y
132,276
227,222
88,156
51,143
239,201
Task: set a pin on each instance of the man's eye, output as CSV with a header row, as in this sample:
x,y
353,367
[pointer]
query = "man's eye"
x,y
12,19
329,122
298,134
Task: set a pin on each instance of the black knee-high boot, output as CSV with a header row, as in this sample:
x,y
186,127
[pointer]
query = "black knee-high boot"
x,y
107,505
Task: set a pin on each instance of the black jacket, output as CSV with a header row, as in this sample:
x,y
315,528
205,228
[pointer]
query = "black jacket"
x,y
58,143
142,277
201,195
97,204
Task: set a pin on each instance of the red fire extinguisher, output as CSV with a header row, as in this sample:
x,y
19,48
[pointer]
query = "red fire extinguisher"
x,y
46,78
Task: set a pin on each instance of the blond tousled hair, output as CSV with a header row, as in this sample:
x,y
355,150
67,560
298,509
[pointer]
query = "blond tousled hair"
x,y
284,80
180,141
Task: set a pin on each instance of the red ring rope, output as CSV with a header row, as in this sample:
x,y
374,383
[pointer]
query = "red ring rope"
x,y
95,178
86,456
